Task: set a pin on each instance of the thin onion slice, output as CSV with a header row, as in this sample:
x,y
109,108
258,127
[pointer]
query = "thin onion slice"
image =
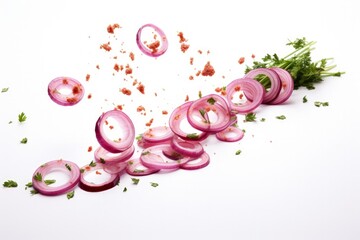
x,y
136,168
247,86
65,91
153,157
287,85
127,134
158,134
197,163
179,115
199,112
230,134
67,167
104,156
94,187
156,48
275,87
187,148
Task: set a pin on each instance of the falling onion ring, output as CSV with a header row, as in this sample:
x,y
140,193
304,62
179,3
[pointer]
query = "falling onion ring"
x,y
230,134
67,167
156,48
287,84
126,136
65,91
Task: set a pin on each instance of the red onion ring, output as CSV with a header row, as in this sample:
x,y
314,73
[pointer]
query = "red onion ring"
x,y
58,88
136,168
115,168
93,187
127,135
197,163
179,115
67,167
287,84
201,121
275,88
152,52
153,157
230,134
247,85
187,148
158,134
101,155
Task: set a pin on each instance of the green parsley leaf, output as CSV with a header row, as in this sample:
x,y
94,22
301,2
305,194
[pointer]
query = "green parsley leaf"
x,y
10,184
153,184
4,90
68,166
304,99
319,104
33,192
82,170
102,160
262,119
92,164
192,135
125,189
49,181
38,177
28,185
211,101
22,117
238,152
139,137
70,195
10,122
145,153
200,94
135,180
250,117
281,117
24,140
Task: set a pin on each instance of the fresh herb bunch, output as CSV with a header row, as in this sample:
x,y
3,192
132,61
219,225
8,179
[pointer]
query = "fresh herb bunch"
x,y
299,64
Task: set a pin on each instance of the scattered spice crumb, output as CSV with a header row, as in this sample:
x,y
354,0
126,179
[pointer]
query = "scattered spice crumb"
x,y
208,70
154,46
111,28
132,56
105,46
141,88
164,112
184,47
97,66
89,96
128,69
187,98
252,55
148,124
126,91
181,36
89,149
87,78
191,77
241,60
191,61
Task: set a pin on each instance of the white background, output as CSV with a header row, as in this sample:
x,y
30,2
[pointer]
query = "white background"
x,y
295,179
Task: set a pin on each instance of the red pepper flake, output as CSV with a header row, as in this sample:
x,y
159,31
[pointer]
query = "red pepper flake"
x,y
132,56
119,107
134,82
187,98
200,52
252,55
141,88
71,100
97,172
191,77
87,78
116,67
87,168
241,60
164,112
237,88
241,96
111,127
111,28
181,36
105,46
154,46
126,91
89,148
76,90
65,81
148,124
106,122
97,66
89,96
140,108
198,73
128,69
191,61
208,70
184,47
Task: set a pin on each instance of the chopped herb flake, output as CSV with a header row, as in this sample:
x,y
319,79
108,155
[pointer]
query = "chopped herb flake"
x,y
250,117
22,117
4,90
125,189
38,177
70,195
238,152
211,101
10,184
135,180
92,164
24,140
281,117
102,160
304,99
193,136
319,104
68,166
49,181
153,184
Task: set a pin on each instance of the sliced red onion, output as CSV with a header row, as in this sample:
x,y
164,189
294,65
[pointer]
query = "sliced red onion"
x,y
115,168
145,144
104,156
247,86
197,163
65,91
177,117
94,187
153,157
136,168
275,87
158,134
156,48
67,167
126,134
230,134
187,148
287,84
199,110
